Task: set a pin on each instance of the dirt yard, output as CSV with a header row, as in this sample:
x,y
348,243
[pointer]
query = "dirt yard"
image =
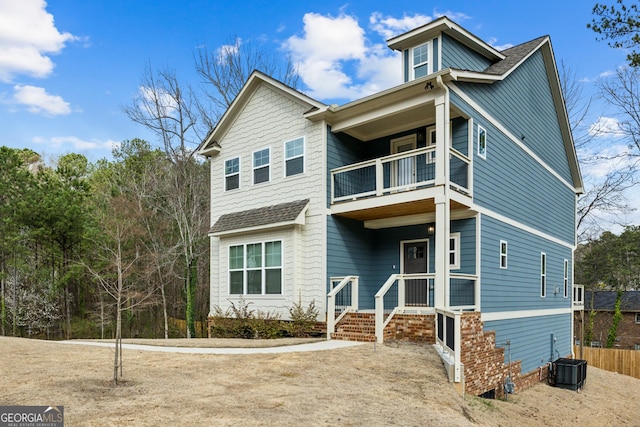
x,y
393,384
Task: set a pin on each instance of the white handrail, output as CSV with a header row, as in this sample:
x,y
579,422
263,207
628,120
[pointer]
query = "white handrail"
x,y
331,301
455,351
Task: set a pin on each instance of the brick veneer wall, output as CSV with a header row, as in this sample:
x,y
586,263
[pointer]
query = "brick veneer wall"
x,y
484,367
411,327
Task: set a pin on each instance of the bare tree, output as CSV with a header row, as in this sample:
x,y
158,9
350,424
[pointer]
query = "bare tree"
x,y
604,195
168,109
622,92
224,70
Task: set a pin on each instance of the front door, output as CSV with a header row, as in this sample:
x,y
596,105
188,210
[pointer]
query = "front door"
x,y
415,260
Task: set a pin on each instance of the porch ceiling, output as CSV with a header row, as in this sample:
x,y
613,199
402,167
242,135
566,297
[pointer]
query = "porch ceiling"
x,y
416,207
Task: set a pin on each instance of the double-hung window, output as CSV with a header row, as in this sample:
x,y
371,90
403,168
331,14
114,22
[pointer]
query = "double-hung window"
x,y
420,60
454,251
566,278
261,165
503,254
232,174
294,157
543,275
482,142
255,268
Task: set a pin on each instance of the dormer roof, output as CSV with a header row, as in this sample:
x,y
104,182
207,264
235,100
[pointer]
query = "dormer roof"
x,y
420,35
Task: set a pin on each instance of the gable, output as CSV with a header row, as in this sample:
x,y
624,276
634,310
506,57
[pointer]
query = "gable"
x,y
523,102
457,55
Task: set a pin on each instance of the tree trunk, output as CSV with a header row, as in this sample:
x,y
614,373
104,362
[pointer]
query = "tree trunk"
x,y
192,280
164,311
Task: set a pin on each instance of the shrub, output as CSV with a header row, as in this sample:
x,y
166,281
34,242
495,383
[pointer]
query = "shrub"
x,y
302,319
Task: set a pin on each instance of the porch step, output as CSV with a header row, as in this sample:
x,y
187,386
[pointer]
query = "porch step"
x,y
356,327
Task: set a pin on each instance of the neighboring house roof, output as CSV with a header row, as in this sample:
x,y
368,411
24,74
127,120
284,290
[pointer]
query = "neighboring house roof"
x,y
606,300
284,214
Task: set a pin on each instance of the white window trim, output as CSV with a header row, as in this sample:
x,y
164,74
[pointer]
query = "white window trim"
x,y
504,255
637,317
456,251
566,278
429,62
480,131
303,155
224,166
543,275
253,168
263,269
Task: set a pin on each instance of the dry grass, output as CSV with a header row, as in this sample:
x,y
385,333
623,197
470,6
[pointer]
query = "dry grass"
x,y
364,385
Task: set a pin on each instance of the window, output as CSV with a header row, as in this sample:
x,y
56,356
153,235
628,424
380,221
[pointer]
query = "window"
x,y
232,174
566,278
503,254
255,269
294,157
261,162
543,275
420,60
454,251
482,142
636,346
637,317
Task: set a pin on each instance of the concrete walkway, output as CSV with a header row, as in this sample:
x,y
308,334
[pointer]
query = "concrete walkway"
x,y
315,346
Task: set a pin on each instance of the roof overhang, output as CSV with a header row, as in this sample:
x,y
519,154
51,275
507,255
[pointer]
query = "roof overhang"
x,y
428,31
208,147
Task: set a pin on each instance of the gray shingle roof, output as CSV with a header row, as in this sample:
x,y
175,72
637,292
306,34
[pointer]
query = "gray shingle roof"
x,y
513,55
284,212
606,300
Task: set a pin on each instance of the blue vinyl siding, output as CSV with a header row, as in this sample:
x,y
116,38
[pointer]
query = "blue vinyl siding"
x,y
524,105
457,55
510,182
518,286
460,135
374,255
532,340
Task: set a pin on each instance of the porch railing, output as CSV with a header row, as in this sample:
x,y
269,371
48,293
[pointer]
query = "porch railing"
x,y
399,293
398,172
342,299
448,341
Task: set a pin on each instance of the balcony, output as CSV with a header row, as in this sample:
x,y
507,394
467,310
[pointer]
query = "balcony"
x,y
397,174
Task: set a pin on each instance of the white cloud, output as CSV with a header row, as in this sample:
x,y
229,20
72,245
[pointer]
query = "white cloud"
x,y
27,35
606,126
343,63
38,101
492,42
388,26
159,99
73,143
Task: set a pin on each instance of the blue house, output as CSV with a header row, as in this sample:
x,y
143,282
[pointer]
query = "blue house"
x,y
440,210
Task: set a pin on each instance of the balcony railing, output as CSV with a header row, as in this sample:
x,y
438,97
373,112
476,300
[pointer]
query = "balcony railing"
x,y
398,172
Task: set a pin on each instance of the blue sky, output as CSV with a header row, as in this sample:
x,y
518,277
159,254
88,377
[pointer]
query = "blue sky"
x,y
68,66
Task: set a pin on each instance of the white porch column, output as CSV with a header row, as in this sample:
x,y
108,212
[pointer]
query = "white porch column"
x,y
442,202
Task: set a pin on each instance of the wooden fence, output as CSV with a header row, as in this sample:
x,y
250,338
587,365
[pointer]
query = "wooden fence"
x,y
179,326
625,362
